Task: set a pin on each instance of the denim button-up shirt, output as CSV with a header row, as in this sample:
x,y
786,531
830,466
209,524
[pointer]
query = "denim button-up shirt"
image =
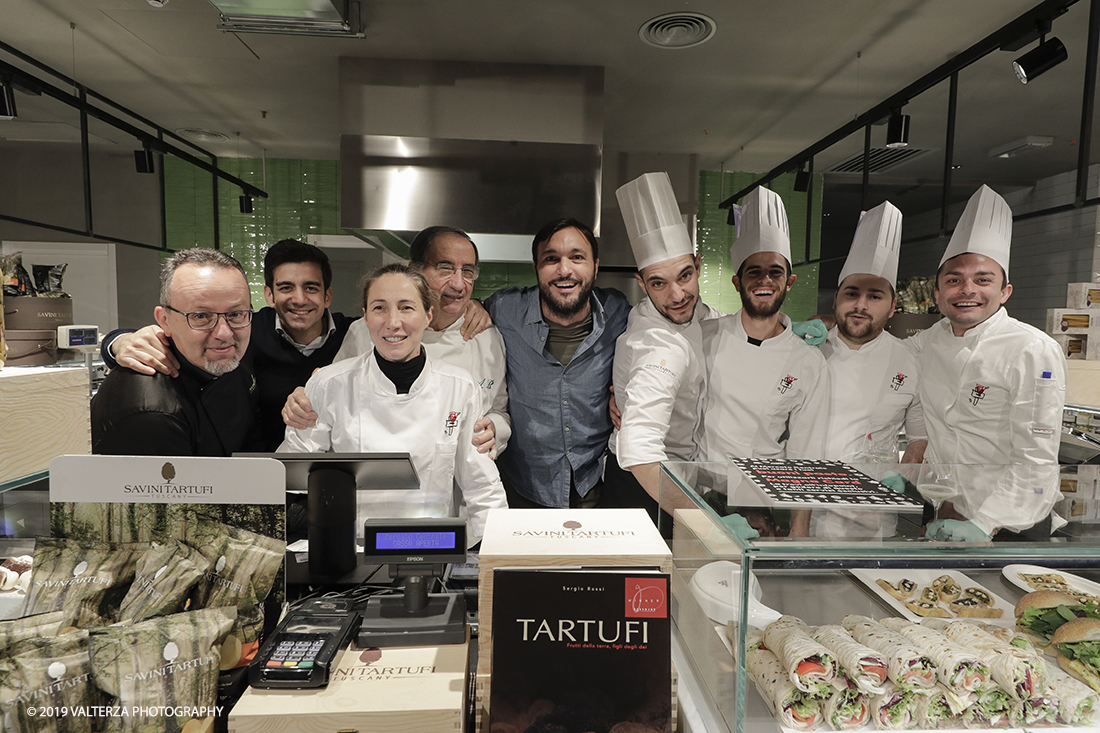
x,y
560,421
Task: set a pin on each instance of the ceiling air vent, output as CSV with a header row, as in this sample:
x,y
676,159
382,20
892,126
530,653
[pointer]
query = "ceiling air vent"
x,y
881,159
677,30
329,18
197,135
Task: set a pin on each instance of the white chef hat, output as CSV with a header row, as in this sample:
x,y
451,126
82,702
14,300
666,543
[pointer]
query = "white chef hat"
x,y
875,246
984,229
761,227
653,222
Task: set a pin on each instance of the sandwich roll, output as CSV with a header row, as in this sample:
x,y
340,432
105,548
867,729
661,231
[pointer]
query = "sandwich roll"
x,y
960,670
938,708
992,709
794,708
1077,644
811,667
1017,672
865,667
1077,702
906,664
894,709
1039,710
847,709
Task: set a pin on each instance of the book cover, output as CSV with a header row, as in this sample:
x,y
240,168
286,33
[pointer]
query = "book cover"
x,y
581,650
802,483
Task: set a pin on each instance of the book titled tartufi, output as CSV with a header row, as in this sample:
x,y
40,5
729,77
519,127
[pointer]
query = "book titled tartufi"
x,y
581,650
802,483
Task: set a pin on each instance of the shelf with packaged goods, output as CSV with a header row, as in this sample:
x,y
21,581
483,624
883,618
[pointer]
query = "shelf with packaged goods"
x,y
810,577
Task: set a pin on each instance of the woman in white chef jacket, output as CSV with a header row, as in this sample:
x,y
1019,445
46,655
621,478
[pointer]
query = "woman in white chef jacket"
x,y
397,399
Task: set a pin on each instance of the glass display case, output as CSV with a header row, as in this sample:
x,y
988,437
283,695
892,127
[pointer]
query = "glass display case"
x,y
725,584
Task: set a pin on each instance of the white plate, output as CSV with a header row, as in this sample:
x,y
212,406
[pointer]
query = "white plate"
x,y
716,585
924,578
1012,575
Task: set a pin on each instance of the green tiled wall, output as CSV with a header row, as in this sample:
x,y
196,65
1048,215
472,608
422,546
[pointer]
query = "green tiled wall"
x,y
497,275
304,199
715,237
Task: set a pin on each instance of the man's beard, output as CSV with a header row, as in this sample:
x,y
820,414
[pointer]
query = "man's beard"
x,y
218,368
866,334
565,310
765,311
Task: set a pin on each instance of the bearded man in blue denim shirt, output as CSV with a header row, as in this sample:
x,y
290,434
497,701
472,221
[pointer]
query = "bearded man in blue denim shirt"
x,y
559,340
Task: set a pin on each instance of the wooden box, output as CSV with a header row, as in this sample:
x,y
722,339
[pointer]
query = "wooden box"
x,y
559,538
392,690
45,415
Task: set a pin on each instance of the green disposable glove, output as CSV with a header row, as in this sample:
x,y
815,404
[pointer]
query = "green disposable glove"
x,y
894,481
954,530
812,332
740,526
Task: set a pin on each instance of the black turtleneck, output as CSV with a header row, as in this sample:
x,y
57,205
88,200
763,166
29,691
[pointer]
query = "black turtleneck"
x,y
402,373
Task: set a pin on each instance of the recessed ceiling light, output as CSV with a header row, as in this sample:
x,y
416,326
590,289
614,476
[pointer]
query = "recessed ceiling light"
x,y
677,30
195,134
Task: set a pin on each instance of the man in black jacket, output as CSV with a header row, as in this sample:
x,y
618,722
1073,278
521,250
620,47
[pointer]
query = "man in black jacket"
x,y
294,336
208,409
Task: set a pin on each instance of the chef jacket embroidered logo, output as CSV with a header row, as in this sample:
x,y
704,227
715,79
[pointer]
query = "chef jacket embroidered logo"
x,y
786,383
977,394
452,422
898,380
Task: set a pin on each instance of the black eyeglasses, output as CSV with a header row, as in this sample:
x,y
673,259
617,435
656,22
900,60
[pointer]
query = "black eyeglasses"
x,y
447,269
206,321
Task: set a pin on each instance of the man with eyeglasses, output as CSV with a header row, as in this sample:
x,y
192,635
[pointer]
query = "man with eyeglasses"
x,y
448,258
291,339
209,409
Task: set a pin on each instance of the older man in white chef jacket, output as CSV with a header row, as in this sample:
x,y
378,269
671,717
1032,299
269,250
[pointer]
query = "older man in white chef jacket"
x,y
658,367
993,388
873,377
767,390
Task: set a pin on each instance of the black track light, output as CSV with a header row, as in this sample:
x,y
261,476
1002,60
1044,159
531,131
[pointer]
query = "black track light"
x,y
246,204
1040,59
897,131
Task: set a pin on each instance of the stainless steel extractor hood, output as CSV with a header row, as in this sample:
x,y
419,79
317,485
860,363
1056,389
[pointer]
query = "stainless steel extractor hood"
x,y
403,184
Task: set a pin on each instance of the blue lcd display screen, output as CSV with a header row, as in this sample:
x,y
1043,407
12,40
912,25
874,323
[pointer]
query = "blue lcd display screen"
x,y
404,541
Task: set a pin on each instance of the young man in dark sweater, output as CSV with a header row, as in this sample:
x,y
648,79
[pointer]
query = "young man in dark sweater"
x,y
291,338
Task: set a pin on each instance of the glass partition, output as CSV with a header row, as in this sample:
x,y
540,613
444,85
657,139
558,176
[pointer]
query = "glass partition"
x,y
728,584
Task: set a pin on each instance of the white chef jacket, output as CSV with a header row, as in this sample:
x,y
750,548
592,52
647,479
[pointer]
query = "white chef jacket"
x,y
482,356
358,410
659,384
995,396
874,394
756,394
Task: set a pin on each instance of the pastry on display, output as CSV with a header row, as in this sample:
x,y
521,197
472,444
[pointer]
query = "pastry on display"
x,y
902,591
